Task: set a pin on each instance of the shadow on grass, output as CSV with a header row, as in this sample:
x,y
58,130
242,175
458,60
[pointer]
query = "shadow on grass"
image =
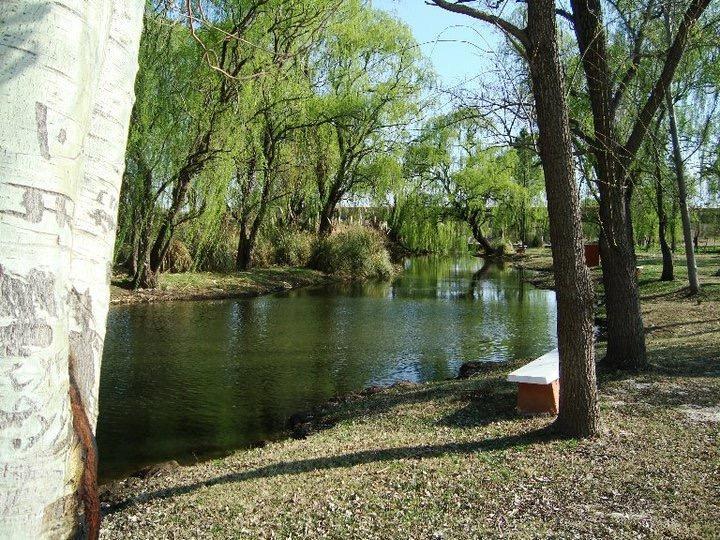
x,y
650,329
679,374
358,406
303,466
699,359
684,291
124,282
486,399
681,361
493,401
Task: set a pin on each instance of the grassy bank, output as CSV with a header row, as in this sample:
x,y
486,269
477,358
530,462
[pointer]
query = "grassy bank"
x,y
453,460
539,264
215,285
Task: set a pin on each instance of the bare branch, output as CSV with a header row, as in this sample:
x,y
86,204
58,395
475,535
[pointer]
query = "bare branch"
x,y
504,25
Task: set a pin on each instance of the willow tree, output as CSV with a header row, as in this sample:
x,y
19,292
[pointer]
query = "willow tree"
x,y
170,143
578,414
477,184
179,125
274,112
369,77
67,92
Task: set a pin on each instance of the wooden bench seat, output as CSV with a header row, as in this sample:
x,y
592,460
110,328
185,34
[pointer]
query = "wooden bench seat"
x,y
538,384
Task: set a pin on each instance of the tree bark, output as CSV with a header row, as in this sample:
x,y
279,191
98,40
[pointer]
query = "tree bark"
x,y
244,251
579,415
673,225
668,271
327,213
67,98
487,247
478,235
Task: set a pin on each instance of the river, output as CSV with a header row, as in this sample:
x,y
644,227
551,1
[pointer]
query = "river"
x,y
191,380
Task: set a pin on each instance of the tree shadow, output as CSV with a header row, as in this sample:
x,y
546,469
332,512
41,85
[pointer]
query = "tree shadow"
x,y
358,405
699,359
486,395
674,378
352,459
666,294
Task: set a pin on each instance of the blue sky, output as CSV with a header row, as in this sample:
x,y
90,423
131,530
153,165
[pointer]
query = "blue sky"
x,y
457,45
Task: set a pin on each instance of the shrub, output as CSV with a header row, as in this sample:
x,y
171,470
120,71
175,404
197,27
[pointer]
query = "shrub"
x,y
353,252
293,248
178,258
505,248
263,253
219,256
536,241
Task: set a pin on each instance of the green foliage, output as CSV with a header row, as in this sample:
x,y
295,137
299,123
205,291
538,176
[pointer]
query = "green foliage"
x,y
536,241
496,191
264,252
293,248
353,252
417,223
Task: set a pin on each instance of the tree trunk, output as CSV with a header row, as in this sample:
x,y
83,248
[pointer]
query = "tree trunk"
x,y
244,252
140,276
148,278
629,219
673,224
326,215
67,98
668,271
480,238
626,335
579,415
135,255
693,281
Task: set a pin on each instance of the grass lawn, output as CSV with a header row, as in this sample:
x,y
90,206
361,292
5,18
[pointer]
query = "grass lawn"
x,y
452,459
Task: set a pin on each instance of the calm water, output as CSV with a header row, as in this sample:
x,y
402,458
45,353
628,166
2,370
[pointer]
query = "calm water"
x,y
186,380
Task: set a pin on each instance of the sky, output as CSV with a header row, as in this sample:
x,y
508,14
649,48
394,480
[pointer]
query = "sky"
x,y
457,45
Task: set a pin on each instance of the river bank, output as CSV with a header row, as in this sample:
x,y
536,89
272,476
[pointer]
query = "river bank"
x,y
451,459
215,285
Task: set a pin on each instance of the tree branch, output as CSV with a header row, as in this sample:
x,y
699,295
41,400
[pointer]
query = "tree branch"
x,y
657,95
504,25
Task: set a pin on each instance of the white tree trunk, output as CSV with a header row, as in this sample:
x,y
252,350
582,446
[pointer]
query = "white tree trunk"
x,y
66,88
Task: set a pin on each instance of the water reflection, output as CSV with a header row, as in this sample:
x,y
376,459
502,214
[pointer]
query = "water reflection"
x,y
188,379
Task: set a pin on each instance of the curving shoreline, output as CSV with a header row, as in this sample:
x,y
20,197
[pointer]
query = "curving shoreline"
x,y
217,286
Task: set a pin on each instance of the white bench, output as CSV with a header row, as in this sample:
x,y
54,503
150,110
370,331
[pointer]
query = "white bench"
x,y
538,384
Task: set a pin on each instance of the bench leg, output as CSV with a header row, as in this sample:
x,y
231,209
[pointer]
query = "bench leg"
x,y
539,398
